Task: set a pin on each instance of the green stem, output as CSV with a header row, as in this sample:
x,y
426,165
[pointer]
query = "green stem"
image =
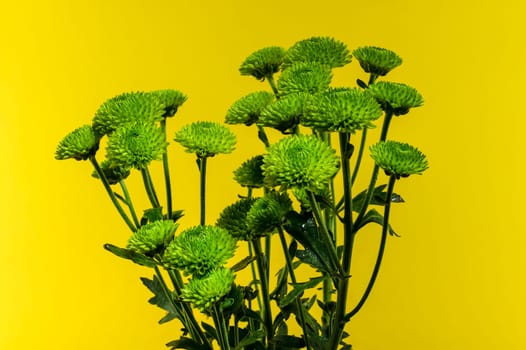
x,y
148,185
385,230
267,312
129,202
343,285
374,176
272,83
202,188
290,268
221,328
359,156
325,235
167,174
263,136
113,198
254,278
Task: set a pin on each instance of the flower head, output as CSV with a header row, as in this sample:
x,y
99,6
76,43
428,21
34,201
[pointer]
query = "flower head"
x,y
200,249
267,213
342,110
171,100
113,173
263,63
248,109
323,50
249,174
233,219
79,144
152,238
135,145
206,138
309,77
300,161
396,96
204,292
285,113
377,60
398,159
127,108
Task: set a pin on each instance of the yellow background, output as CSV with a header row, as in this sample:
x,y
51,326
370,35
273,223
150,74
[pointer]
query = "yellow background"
x,y
455,280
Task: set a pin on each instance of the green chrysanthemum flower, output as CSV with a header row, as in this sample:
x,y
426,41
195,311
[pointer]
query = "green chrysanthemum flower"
x,y
204,292
152,238
171,100
200,249
127,108
323,50
342,110
206,139
300,161
233,219
79,144
113,173
285,114
399,159
309,77
267,213
135,145
249,174
396,96
263,63
377,60
248,109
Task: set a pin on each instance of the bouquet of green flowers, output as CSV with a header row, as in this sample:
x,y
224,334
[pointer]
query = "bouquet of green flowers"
x,y
300,193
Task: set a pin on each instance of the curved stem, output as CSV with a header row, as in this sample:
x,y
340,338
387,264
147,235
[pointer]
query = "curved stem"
x,y
385,230
148,185
113,198
359,156
267,312
202,188
272,83
129,202
166,169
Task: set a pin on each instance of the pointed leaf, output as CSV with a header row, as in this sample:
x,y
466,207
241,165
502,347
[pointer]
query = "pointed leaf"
x,y
250,339
243,263
373,216
160,298
288,341
378,198
185,343
299,288
137,258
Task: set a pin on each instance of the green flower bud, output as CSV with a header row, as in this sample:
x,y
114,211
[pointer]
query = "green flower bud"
x,y
113,173
397,97
249,174
206,291
376,60
130,107
206,139
152,238
267,213
135,145
342,110
399,159
286,113
171,100
309,77
247,109
79,144
323,50
300,161
323,197
263,63
200,249
233,219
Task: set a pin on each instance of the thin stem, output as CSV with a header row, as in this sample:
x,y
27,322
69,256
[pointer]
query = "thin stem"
x,y
267,312
254,278
221,328
325,235
343,285
385,230
113,198
263,136
272,83
129,202
148,185
202,188
359,156
167,174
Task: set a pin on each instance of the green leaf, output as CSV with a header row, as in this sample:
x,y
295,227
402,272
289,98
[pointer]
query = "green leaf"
x,y
160,298
137,258
361,83
186,343
151,215
209,330
299,288
250,338
243,263
309,257
288,341
378,198
373,216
